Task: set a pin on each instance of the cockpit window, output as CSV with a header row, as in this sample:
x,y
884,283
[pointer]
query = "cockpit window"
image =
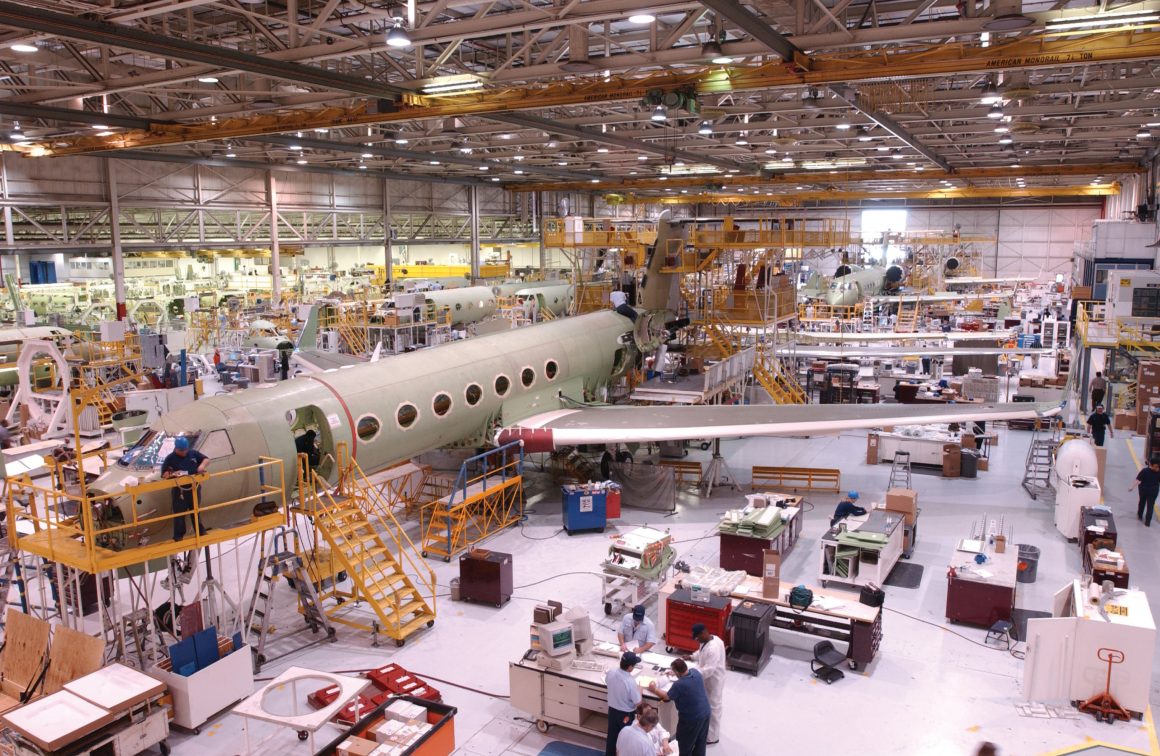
x,y
153,448
216,445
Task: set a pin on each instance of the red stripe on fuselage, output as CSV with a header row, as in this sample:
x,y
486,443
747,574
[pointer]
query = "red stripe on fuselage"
x,y
346,409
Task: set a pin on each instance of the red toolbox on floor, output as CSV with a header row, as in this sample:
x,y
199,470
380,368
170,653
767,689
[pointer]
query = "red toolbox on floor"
x,y
682,613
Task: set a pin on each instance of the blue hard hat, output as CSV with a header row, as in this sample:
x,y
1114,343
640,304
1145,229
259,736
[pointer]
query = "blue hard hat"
x,y
852,495
181,444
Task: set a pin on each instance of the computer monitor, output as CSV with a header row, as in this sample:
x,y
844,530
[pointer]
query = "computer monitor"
x,y
581,628
555,638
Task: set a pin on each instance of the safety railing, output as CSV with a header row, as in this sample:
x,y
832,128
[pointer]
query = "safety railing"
x,y
783,232
102,531
811,312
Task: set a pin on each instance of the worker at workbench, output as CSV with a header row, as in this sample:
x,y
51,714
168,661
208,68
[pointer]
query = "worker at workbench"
x,y
846,507
180,462
638,739
623,698
637,632
710,660
693,711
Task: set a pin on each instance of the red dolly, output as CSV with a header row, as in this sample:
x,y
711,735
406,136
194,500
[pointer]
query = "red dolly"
x,y
1103,706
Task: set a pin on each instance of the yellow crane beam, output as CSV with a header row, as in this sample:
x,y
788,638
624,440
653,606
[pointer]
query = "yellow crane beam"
x,y
850,177
799,198
1039,51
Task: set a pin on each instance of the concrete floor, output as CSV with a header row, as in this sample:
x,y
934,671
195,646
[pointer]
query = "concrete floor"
x,y
933,689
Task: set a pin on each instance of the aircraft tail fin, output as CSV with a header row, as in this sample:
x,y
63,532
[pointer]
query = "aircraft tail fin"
x,y
661,292
308,337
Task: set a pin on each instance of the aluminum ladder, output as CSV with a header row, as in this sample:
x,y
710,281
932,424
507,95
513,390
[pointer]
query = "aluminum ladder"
x,y
285,563
1040,461
900,471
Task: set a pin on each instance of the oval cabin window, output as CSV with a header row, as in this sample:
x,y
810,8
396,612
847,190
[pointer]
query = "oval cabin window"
x,y
368,427
502,384
551,369
441,404
473,394
407,415
527,377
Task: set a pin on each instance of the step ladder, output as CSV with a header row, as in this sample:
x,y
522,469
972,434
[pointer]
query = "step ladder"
x,y
867,317
907,317
1040,461
900,471
282,561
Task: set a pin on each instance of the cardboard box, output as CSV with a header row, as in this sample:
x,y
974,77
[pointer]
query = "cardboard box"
x,y
872,448
771,573
357,747
1148,372
952,460
967,441
904,501
1124,420
1142,423
1101,464
982,465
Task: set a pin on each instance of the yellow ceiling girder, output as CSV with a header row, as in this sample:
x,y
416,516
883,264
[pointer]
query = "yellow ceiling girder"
x,y
1026,53
845,177
798,198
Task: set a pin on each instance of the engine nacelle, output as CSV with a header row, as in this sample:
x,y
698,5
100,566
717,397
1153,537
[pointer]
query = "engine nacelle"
x,y
951,264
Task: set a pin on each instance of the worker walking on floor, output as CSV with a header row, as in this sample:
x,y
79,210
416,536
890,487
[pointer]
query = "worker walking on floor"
x,y
1098,423
710,660
623,698
1148,481
693,711
637,632
1099,387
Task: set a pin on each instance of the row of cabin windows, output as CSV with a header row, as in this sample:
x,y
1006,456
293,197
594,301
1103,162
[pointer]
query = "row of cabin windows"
x,y
408,413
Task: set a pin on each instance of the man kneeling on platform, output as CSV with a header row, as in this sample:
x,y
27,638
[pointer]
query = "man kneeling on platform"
x,y
183,461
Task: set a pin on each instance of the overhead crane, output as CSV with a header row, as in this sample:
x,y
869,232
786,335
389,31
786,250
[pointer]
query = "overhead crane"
x,y
1019,54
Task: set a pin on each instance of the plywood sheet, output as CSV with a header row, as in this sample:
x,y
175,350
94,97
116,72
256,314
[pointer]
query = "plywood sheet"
x,y
25,650
73,654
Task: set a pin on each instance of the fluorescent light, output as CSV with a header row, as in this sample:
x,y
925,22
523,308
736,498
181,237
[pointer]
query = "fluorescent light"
x,y
706,128
95,128
602,149
495,178
295,147
1143,133
659,114
517,157
208,79
518,172
562,162
482,168
367,155
23,48
995,112
231,154
452,84
787,159
1103,20
641,18
593,181
301,161
362,166
397,36
433,162
642,158
400,139
1001,129
741,141
771,151
991,95
1006,139
104,133
842,125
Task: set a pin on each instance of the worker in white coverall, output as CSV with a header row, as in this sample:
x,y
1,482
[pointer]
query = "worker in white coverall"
x,y
710,660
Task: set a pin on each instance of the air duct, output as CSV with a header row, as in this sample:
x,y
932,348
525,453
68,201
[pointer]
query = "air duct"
x,y
577,51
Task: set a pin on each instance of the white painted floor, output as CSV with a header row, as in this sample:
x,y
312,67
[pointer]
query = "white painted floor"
x,y
933,689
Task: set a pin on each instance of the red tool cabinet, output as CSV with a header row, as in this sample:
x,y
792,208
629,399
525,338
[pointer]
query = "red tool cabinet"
x,y
682,613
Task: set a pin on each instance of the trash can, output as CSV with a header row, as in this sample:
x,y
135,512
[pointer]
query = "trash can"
x,y
454,589
969,464
1028,563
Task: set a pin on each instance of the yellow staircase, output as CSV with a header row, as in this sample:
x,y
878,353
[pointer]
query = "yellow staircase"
x,y
488,496
907,317
370,545
768,369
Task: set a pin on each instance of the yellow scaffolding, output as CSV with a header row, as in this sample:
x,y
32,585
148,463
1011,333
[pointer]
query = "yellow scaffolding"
x,y
487,497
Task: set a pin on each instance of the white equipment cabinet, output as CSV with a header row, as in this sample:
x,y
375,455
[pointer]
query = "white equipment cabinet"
x,y
197,698
862,565
1061,663
1078,491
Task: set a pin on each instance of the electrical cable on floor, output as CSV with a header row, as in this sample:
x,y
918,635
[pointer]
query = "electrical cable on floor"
x,y
952,632
539,538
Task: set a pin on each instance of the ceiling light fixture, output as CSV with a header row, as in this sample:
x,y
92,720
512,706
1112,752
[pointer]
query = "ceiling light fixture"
x,y
367,155
433,162
995,112
602,149
659,114
1102,20
452,84
1143,133
208,79
301,161
518,172
642,158
842,124
706,128
641,18
1123,153
991,94
1002,129
362,166
711,51
20,47
1006,139
104,133
741,140
397,37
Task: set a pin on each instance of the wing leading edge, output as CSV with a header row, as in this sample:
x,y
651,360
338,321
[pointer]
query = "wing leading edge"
x,y
598,425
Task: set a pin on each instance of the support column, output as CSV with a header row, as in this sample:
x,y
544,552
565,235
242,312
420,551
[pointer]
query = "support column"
x,y
388,253
539,215
9,237
473,203
115,237
275,256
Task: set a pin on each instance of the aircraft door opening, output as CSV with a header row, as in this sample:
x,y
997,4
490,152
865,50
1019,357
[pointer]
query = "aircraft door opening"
x,y
313,436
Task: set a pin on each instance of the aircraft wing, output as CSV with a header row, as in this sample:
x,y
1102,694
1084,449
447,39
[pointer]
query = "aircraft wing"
x,y
317,361
598,425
